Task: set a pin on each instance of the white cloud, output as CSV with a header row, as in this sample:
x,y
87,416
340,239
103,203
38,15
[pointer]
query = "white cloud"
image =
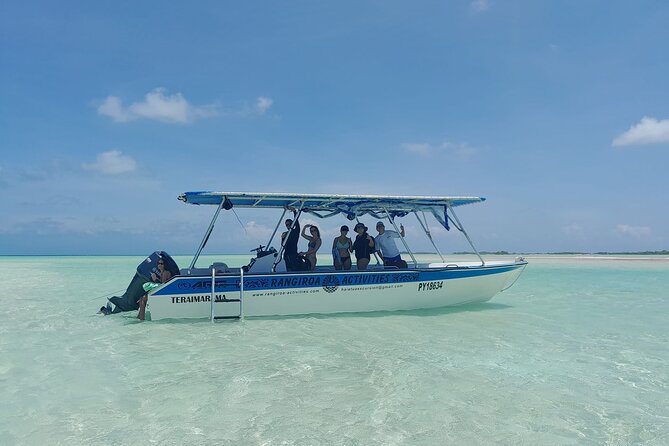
x,y
573,230
435,230
633,231
258,108
462,150
112,162
421,149
58,225
647,131
480,5
263,104
157,105
257,231
112,107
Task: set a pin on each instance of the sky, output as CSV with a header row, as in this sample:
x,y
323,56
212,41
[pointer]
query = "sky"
x,y
557,112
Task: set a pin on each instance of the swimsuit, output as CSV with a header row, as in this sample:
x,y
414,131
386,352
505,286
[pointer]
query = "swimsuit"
x,y
311,257
362,248
340,246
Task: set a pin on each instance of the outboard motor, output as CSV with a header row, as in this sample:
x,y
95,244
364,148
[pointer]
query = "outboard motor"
x,y
128,302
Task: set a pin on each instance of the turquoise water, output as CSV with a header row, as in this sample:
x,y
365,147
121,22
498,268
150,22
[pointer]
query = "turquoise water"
x,y
577,352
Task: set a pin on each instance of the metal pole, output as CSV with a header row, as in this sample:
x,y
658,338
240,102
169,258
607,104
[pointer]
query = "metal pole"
x,y
275,229
462,229
206,235
427,232
213,291
401,238
241,293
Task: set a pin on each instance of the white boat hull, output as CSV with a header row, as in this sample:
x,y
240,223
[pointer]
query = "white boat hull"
x,y
325,292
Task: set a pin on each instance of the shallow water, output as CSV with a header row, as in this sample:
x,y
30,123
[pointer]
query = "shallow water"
x,y
577,352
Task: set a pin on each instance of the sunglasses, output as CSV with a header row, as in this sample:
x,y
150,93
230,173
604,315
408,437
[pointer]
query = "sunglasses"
x,y
161,263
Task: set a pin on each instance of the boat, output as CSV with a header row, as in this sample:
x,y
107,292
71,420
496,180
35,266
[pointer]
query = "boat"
x,y
265,287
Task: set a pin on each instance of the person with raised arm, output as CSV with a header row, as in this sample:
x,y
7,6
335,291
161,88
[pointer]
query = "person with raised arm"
x,y
313,246
385,245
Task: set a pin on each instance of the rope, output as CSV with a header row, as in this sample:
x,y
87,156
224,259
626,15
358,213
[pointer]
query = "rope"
x,y
108,294
240,222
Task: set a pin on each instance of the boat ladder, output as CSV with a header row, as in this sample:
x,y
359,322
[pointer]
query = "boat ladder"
x,y
239,316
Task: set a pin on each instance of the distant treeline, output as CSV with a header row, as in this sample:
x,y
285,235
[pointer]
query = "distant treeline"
x,y
501,253
498,253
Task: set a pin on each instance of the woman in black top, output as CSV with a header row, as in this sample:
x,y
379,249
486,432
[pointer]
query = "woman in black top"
x,y
363,246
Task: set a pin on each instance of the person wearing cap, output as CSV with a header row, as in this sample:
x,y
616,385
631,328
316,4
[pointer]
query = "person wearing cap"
x,y
363,246
342,247
386,246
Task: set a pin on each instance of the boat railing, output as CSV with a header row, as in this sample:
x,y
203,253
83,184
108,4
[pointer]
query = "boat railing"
x,y
213,300
461,228
232,272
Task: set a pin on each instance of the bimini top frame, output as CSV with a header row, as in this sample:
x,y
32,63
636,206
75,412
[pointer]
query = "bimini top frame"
x,y
323,206
350,205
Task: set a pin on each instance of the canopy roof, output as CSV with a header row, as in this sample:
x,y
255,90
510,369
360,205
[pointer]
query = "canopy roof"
x,y
324,205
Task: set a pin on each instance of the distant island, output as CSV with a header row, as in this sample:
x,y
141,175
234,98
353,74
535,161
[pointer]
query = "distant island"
x,y
663,252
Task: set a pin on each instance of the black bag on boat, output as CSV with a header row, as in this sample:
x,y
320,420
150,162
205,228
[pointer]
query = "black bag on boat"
x,y
302,264
128,302
296,263
401,264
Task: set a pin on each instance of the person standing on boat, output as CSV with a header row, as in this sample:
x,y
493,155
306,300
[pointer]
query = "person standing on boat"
x,y
313,246
386,246
162,276
342,247
289,241
363,246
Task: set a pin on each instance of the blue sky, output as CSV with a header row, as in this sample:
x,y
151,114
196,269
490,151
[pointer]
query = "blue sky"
x,y
556,112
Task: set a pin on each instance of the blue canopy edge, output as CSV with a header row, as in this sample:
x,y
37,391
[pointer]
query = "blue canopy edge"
x,y
323,205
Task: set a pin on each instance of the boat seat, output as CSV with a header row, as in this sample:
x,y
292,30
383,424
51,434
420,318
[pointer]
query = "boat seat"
x,y
221,268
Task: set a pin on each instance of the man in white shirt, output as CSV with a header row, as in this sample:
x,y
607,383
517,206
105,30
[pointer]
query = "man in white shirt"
x,y
387,247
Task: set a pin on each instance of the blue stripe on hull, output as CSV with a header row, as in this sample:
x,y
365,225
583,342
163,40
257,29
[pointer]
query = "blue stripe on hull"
x,y
202,284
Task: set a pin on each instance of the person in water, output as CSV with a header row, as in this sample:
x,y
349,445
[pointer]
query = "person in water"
x,y
313,246
342,247
363,246
386,246
289,241
162,276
